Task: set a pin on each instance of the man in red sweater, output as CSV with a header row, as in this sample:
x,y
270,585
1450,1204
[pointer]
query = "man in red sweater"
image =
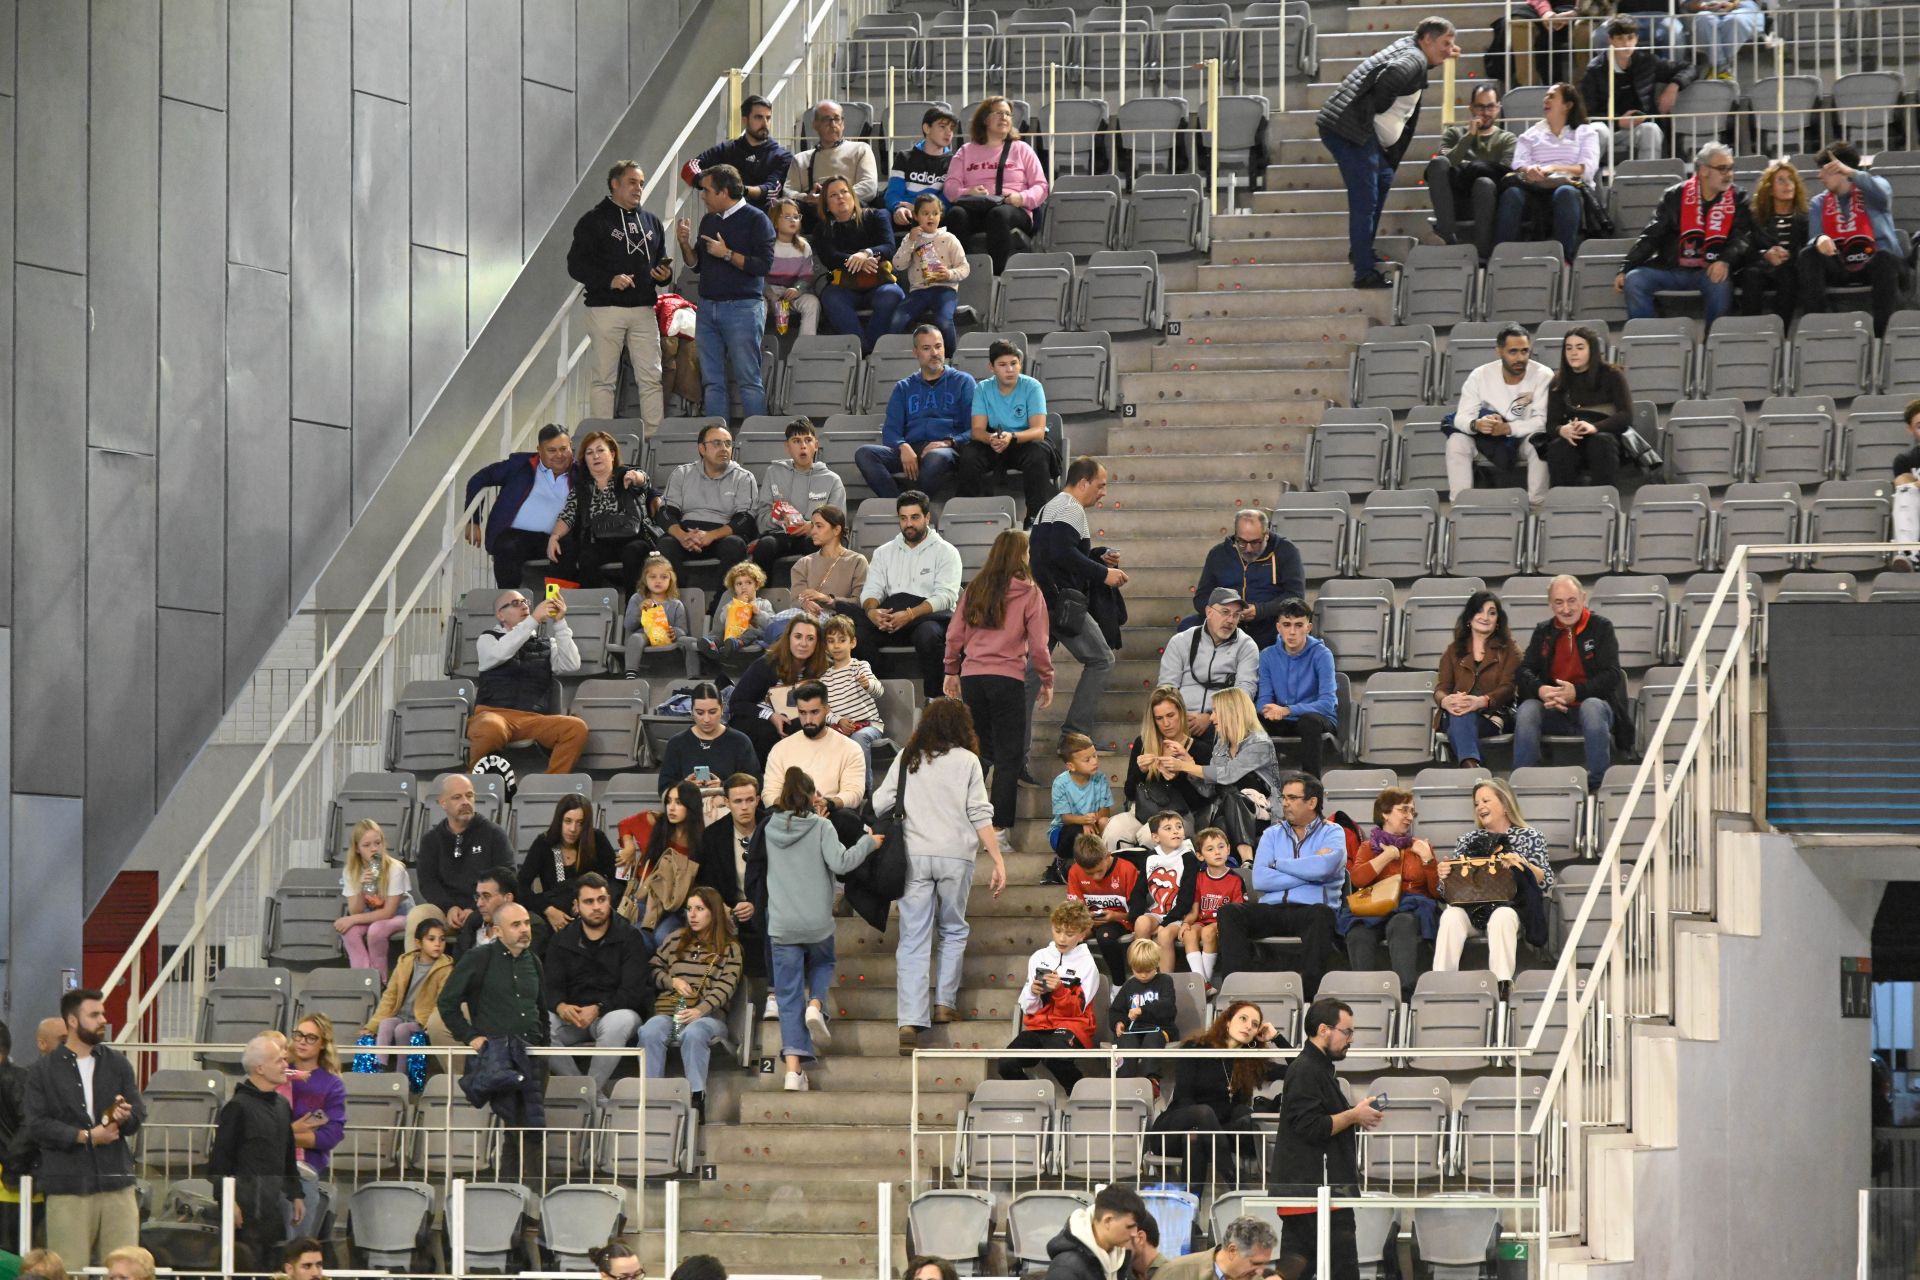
x,y
1570,682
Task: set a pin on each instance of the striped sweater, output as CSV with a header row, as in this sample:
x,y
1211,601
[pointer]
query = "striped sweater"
x,y
683,957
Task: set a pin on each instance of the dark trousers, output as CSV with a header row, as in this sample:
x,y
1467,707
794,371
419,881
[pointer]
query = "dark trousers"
x,y
1065,1070
1368,177
769,549
1311,731
928,637
1818,273
512,548
1242,922
1300,1238
1598,455
1755,282
1032,462
1399,934
999,707
1111,941
1189,1133
1475,187
591,561
1008,227
729,551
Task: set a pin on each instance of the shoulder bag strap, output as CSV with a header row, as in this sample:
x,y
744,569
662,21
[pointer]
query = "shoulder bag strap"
x,y
1000,170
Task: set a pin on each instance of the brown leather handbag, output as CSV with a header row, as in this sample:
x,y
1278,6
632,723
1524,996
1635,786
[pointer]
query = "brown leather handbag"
x,y
1381,898
1474,880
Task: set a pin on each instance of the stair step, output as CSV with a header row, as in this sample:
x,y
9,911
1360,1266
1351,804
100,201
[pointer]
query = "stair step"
x,y
886,1151
1369,28
1248,356
995,934
1374,305
1291,275
880,1037
1350,329
1330,224
759,1112
1305,147
1128,441
1233,387
1266,415
874,1075
1127,471
827,1253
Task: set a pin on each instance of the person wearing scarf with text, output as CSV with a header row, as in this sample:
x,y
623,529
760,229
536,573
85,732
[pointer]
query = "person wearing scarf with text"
x,y
1852,239
1699,235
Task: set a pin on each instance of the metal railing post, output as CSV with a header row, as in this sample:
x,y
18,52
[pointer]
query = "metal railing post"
x,y
1449,77
736,91
1323,1232
457,1227
1862,1241
1213,132
883,1216
966,51
670,1225
226,1226
25,1208
1121,100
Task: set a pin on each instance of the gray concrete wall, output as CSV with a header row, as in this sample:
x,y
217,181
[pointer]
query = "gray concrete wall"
x,y
243,243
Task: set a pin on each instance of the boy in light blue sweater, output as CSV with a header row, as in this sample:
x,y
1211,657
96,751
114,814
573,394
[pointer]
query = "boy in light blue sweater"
x,y
1298,696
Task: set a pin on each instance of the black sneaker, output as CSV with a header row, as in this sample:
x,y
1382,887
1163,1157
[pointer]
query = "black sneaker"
x,y
1372,280
1056,871
1028,780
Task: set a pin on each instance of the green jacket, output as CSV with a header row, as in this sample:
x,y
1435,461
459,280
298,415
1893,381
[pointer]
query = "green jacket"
x,y
1460,146
491,993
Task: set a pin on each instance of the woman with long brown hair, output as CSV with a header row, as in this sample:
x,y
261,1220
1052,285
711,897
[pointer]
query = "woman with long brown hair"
x,y
1780,232
570,847
659,855
797,655
1215,1095
947,824
1474,686
695,974
999,629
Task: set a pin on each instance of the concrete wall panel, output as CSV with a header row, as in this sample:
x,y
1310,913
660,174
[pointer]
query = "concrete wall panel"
x,y
380,48
322,238
548,173
259,133
193,346
439,124
258,449
546,37
193,51
6,332
600,72
493,156
49,166
119,653
123,230
46,926
322,498
439,321
189,697
380,275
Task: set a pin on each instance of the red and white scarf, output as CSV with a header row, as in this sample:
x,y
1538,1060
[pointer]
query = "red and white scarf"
x,y
1850,229
1703,231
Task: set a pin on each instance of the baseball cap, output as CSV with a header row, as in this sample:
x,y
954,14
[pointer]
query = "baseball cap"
x,y
1225,595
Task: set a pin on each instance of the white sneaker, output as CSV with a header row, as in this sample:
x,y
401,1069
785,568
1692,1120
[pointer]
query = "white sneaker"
x,y
796,1082
772,1010
1005,836
817,1027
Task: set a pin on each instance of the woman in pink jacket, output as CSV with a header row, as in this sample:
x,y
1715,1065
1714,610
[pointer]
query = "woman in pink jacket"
x,y
995,184
999,628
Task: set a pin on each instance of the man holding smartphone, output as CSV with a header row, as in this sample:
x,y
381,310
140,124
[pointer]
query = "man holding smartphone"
x,y
1318,1141
619,254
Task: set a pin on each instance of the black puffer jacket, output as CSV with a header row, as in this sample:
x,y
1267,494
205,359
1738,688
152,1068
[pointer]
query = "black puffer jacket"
x,y
1645,71
1599,654
1370,88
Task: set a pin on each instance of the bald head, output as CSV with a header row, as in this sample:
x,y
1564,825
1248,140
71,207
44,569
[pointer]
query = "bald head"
x,y
48,1035
456,800
513,927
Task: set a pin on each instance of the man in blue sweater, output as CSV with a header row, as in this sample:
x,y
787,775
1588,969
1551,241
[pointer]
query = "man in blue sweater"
x,y
1851,236
533,488
760,160
734,255
923,166
1298,869
929,413
1298,697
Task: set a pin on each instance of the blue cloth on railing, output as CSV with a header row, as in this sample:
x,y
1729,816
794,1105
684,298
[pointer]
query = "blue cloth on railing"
x,y
1176,1210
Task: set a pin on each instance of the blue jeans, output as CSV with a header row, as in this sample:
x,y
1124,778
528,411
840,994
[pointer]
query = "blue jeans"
x,y
1368,178
801,972
1592,719
937,304
864,738
727,335
840,305
877,463
1644,282
1720,35
696,1047
1464,733
611,1030
936,896
1567,207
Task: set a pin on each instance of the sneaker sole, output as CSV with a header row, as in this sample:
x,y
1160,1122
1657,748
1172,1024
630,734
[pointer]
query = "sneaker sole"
x,y
818,1029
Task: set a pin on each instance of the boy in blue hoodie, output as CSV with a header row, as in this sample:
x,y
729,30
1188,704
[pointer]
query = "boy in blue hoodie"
x,y
1297,697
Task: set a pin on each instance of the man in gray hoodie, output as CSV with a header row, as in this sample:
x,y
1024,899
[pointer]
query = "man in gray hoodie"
x,y
799,481
708,506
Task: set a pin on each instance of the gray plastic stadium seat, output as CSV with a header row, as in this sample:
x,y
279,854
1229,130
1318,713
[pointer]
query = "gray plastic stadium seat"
x,y
1850,511
1487,533
1190,1004
471,616
1778,131
1034,1218
845,433
1149,138
1071,125
1241,136
1393,366
388,1222
1891,585
347,996
1743,357
1353,790
1832,354
1279,995
1637,607
1456,1244
1525,596
1488,1150
300,915
495,1223
1702,113
377,1107
1578,531
1396,718
671,1124
1668,527
1319,526
1083,214
1437,285
1227,1206
1166,213
1427,618
1528,996
950,46
1793,440
1077,369
1468,347
241,1002
612,710
489,801
1354,617
387,798
1120,292
1636,189
1422,451
1451,1010
1351,451
972,524
578,1217
667,662
593,613
1659,358
1524,282
454,1139
1829,587
1874,435
1758,515
1005,1134
874,522
1695,597
822,375
892,359
1868,103
535,800
953,1223
1609,815
1102,1127
182,1107
1444,795
1900,353
1375,998
1409,1145
1658,687
573,1116
1590,292
1035,293
427,727
1554,798
1707,441
1399,533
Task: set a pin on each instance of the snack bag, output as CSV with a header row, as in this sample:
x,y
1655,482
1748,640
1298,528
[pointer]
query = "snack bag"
x,y
739,618
653,621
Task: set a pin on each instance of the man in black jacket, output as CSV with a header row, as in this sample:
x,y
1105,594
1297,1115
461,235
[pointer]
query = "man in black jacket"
x,y
1064,557
1317,1143
457,851
1699,235
1261,565
1095,1243
82,1121
498,887
1570,682
724,848
1367,125
1644,87
619,253
597,987
761,161
253,1145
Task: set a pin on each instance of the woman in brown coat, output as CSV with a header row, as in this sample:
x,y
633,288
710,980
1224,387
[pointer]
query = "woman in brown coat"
x,y
1474,687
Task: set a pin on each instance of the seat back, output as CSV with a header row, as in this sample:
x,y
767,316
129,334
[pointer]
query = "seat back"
x,y
1437,286
1353,790
1524,280
388,1222
455,1138
1578,531
1077,369
1658,356
1832,354
1591,292
377,1106
1528,996
1318,525
1008,1129
1452,1010
1280,996
387,798
1083,214
1850,511
612,710
1487,533
953,1223
1756,515
1409,1144
1667,531
579,1217
1445,796
822,375
1350,455
494,1223
1375,998
1034,1218
177,1133
428,729
242,1002
1034,297
1793,440
1355,618
1166,213
1393,367
347,997
1875,434
1422,449
536,799
1743,357
1120,292
1493,1141
300,917
1427,618
1554,798
1399,533
1396,718
1102,1129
